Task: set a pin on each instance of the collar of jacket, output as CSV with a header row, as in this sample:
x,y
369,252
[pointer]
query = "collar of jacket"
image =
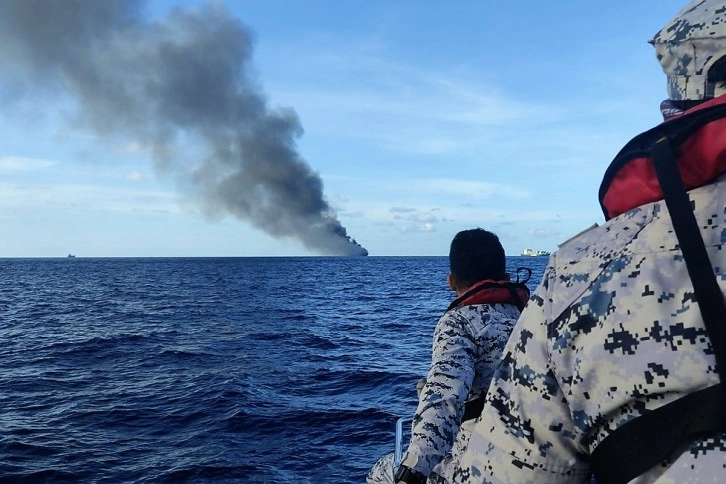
x,y
698,141
491,292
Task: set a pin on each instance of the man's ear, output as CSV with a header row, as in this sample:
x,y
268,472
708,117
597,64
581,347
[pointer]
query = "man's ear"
x,y
452,284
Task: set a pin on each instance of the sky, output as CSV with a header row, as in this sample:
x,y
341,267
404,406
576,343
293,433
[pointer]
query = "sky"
x,y
315,127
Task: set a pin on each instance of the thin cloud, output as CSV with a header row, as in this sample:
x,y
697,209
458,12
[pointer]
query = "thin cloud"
x,y
459,111
136,147
91,197
402,210
404,109
12,164
425,227
542,232
135,176
387,86
466,188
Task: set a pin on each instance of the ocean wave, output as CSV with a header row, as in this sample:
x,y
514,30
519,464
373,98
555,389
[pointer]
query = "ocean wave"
x,y
167,370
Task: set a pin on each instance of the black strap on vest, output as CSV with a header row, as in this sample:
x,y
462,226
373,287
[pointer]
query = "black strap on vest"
x,y
649,439
708,293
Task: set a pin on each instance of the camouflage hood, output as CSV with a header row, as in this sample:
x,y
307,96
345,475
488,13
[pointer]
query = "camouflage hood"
x,y
689,45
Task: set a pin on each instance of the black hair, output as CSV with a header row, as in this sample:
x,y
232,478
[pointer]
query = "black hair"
x,y
475,255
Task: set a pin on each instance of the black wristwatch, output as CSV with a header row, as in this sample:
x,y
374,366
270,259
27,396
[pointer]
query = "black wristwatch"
x,y
409,476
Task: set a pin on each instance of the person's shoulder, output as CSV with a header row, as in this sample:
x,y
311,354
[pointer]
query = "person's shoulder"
x,y
458,317
579,235
597,243
476,316
454,315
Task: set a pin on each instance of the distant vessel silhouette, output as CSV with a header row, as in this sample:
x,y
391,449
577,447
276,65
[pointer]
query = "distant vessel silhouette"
x,y
534,253
71,256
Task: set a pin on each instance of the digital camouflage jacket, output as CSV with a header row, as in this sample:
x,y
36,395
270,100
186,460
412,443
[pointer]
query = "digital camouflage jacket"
x,y
612,331
468,343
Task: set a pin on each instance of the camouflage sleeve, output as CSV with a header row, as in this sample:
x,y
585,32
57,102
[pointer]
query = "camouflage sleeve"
x,y
441,407
525,432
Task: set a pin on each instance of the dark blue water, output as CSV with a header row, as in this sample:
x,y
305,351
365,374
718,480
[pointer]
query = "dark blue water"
x,y
219,369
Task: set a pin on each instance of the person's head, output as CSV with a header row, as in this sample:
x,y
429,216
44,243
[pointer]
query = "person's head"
x,y
691,48
475,255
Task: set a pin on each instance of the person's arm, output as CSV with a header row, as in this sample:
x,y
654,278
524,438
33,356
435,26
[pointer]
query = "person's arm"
x,y
525,432
441,405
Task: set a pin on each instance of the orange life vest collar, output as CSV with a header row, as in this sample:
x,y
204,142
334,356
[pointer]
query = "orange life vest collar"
x,y
492,292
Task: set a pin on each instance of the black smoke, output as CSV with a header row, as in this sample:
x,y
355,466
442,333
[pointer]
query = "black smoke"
x,y
186,77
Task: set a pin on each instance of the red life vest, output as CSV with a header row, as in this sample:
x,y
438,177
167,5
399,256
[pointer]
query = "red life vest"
x,y
630,180
492,292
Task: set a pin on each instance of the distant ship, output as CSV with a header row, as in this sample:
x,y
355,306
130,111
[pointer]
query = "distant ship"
x,y
71,256
534,253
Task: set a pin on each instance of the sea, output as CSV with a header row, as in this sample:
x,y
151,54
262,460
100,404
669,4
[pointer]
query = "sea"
x,y
283,369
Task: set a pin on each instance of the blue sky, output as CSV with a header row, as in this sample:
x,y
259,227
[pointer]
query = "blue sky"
x,y
420,118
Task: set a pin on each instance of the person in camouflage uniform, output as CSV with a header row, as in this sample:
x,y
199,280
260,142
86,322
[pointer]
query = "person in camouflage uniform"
x,y
468,340
614,331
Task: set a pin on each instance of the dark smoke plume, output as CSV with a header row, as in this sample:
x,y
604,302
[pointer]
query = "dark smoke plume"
x,y
185,77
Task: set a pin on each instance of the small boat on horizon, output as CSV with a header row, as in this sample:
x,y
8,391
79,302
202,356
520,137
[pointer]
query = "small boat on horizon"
x,y
534,253
71,256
